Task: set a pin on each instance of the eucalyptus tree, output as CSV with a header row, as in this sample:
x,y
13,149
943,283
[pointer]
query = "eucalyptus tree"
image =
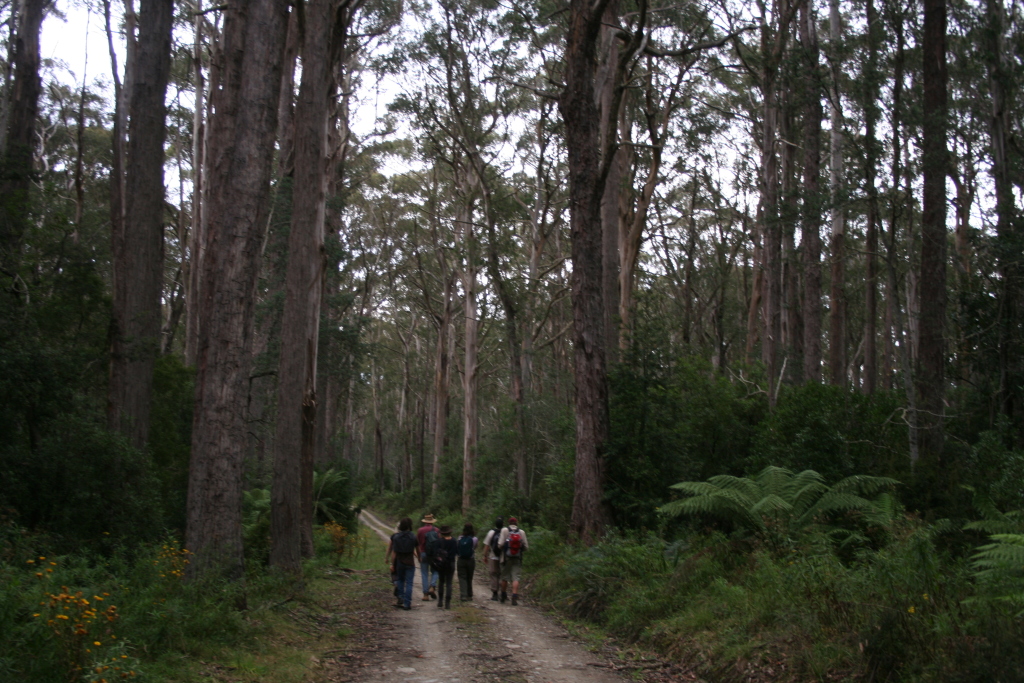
x,y
291,527
17,133
139,250
930,374
239,153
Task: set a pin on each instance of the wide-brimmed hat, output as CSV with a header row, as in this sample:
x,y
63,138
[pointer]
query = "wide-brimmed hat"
x,y
445,530
428,519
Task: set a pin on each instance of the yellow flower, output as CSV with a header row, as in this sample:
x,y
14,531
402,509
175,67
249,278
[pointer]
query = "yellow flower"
x,y
924,595
911,609
97,643
62,616
30,561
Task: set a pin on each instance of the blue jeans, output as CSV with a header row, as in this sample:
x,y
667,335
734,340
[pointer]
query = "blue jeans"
x,y
405,575
427,571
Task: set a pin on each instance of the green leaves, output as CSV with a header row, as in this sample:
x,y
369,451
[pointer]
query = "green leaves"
x,y
777,505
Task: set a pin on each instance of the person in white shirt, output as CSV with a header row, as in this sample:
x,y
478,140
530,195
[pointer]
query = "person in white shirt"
x,y
513,544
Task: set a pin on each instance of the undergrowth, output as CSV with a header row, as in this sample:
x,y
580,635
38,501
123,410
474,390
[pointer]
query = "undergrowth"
x,y
736,611
131,615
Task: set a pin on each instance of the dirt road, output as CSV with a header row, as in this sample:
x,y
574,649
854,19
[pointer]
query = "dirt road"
x,y
477,641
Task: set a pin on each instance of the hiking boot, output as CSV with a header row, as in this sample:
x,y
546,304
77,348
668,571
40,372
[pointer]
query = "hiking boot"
x,y
433,593
504,597
494,596
426,597
515,599
406,607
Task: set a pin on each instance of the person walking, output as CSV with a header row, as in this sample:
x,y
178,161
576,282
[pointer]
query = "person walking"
x,y
492,553
428,575
513,544
465,562
444,560
400,556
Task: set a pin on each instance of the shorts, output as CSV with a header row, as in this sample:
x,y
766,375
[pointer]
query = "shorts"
x,y
511,569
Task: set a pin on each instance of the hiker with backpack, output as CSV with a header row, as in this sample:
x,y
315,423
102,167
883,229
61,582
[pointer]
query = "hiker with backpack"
x,y
443,560
493,554
428,538
513,544
401,556
465,563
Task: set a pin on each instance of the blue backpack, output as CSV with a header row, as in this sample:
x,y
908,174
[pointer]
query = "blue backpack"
x,y
465,547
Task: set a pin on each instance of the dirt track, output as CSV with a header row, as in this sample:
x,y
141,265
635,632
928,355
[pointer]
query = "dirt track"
x,y
477,641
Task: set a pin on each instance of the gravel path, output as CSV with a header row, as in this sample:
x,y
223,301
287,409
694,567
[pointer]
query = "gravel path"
x,y
478,641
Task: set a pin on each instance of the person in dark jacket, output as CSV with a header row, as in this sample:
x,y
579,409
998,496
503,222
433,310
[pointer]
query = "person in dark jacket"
x,y
401,556
446,568
465,563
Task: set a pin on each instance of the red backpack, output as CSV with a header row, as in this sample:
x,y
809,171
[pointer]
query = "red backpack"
x,y
514,543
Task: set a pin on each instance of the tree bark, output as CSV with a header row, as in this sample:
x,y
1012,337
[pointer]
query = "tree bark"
x,y
137,313
812,199
871,159
290,534
837,293
19,140
239,157
932,282
196,241
1007,230
469,370
611,197
586,184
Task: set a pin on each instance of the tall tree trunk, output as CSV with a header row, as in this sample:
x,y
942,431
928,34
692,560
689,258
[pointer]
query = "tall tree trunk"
x,y
586,185
19,139
934,166
304,282
137,313
812,198
442,373
240,152
871,159
1007,230
508,304
469,370
195,266
606,83
837,293
791,323
771,228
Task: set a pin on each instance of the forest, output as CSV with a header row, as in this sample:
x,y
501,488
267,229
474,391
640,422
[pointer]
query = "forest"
x,y
723,299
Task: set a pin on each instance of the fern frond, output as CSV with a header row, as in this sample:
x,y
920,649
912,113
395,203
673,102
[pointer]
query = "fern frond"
x,y
995,526
864,485
771,504
1001,559
695,488
748,487
774,480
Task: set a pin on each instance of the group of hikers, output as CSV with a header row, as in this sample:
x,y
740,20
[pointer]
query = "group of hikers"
x,y
440,556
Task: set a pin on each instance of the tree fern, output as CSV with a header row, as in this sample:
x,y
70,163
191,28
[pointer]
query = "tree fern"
x,y
999,565
776,504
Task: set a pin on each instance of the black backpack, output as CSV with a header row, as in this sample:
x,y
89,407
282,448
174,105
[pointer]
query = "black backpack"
x,y
439,560
403,543
495,539
432,543
465,547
